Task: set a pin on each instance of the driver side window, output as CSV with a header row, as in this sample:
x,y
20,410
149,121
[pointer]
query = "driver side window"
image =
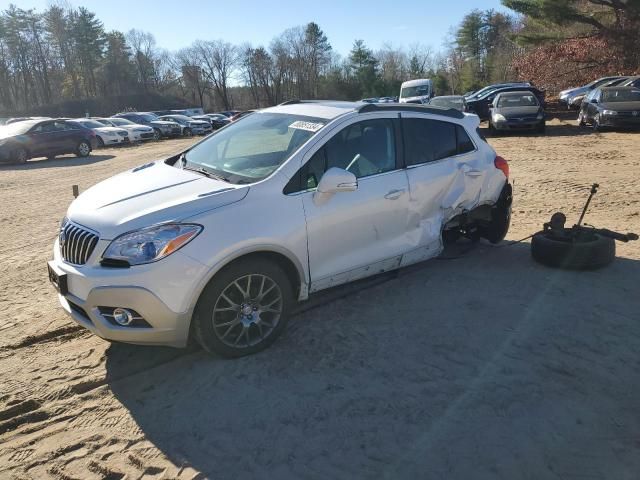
x,y
364,149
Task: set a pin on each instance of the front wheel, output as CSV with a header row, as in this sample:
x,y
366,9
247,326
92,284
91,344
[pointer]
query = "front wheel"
x,y
581,122
157,135
187,132
20,156
243,309
83,149
542,127
596,123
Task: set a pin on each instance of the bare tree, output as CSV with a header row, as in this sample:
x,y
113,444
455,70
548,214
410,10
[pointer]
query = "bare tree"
x,y
219,61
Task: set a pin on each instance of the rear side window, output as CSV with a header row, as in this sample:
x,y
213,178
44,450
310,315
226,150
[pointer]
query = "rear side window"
x,y
428,140
465,144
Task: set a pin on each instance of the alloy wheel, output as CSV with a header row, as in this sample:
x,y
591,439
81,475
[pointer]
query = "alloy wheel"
x,y
247,311
84,149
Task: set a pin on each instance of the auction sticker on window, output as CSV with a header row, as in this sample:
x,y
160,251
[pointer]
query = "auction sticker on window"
x,y
309,126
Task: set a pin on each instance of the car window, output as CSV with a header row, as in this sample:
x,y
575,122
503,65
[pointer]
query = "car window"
x,y
45,128
465,145
428,140
364,148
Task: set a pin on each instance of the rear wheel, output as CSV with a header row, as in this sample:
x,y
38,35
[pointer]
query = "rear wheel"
x,y
500,222
20,155
596,123
187,132
83,149
587,253
243,309
542,127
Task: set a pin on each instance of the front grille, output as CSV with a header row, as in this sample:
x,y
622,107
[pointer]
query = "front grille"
x,y
629,114
76,243
146,135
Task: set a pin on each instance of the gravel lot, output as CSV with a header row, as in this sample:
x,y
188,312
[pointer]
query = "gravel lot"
x,y
478,365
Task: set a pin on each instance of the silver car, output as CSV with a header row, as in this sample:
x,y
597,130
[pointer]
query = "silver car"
x,y
220,241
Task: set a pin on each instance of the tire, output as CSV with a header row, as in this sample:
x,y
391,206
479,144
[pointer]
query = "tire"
x,y
187,133
596,123
83,149
542,128
595,252
20,156
492,130
157,135
100,142
242,326
581,122
500,222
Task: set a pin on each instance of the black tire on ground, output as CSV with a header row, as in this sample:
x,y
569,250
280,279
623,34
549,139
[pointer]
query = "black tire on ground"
x,y
596,252
211,298
83,149
500,217
157,134
596,123
20,155
187,133
542,127
581,122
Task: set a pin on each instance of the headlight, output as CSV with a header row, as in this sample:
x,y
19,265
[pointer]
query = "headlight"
x,y
609,112
498,117
151,244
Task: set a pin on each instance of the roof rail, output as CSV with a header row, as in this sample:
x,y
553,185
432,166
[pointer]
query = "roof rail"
x,y
447,112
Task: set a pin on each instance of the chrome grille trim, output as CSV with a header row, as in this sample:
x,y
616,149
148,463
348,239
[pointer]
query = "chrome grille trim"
x,y
76,243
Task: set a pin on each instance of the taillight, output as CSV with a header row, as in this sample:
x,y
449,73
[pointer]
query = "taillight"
x,y
501,164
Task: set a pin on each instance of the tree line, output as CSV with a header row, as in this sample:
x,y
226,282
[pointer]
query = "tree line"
x,y
61,55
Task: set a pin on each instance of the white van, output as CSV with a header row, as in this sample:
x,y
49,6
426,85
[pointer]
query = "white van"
x,y
416,91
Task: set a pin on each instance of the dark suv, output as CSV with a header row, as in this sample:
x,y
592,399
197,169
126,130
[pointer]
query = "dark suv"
x,y
161,128
21,141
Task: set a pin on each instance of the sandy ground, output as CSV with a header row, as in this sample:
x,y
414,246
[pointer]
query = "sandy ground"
x,y
479,365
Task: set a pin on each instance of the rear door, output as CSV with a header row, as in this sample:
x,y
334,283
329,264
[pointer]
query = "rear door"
x,y
44,140
445,175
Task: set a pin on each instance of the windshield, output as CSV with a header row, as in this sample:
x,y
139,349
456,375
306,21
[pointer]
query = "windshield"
x,y
17,128
517,101
252,148
417,91
182,119
89,123
450,102
120,121
621,96
148,117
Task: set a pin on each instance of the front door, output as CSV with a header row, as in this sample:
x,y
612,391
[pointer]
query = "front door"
x,y
355,234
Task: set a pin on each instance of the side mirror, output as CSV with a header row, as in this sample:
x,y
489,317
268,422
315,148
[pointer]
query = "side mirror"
x,y
337,180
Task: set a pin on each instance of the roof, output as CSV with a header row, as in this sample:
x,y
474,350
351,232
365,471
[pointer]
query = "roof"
x,y
327,109
417,81
514,93
609,89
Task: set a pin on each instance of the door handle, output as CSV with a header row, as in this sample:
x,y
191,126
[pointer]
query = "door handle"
x,y
394,194
473,173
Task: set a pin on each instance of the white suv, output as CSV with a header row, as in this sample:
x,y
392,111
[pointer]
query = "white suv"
x,y
220,241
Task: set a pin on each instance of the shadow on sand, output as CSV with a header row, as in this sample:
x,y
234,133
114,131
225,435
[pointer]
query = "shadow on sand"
x,y
481,366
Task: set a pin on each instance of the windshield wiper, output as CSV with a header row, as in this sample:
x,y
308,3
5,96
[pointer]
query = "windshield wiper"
x,y
206,173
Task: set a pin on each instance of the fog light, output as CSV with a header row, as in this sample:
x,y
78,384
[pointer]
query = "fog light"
x,y
122,316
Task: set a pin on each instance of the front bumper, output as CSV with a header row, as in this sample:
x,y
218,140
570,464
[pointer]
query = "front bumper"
x,y
115,140
518,125
620,121
162,293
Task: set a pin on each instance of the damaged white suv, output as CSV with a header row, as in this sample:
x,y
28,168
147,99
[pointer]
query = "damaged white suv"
x,y
219,241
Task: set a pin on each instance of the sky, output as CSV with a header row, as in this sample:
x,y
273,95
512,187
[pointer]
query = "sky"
x,y
177,23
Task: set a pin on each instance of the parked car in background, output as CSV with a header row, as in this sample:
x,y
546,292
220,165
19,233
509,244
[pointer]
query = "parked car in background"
x,y
419,89
20,141
105,135
481,105
320,193
450,101
518,110
218,120
239,115
22,119
575,100
370,100
161,128
611,107
137,133
478,93
565,95
189,126
386,100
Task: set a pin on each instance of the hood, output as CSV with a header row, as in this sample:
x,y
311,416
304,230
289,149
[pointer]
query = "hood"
x,y
199,123
621,106
108,129
510,112
150,194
